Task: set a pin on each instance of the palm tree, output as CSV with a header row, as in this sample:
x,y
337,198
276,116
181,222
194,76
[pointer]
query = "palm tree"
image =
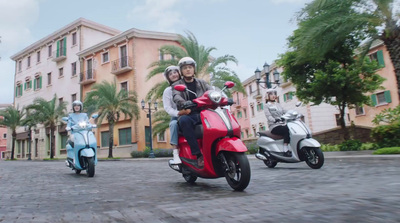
x,y
206,65
30,122
110,104
326,23
48,113
11,117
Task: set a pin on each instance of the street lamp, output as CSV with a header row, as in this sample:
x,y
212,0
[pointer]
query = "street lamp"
x,y
266,72
28,129
151,155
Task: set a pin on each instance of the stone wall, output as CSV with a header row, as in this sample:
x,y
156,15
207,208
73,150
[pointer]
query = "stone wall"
x,y
335,135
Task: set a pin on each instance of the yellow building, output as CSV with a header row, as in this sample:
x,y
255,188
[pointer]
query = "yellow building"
x,y
125,58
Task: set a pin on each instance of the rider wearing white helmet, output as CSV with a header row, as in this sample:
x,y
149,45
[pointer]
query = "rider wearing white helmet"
x,y
76,116
196,88
274,111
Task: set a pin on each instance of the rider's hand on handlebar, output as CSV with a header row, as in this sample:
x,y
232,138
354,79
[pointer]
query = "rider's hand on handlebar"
x,y
184,112
188,104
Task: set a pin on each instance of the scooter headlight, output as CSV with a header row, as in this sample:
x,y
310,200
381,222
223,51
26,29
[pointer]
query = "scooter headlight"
x,y
82,125
215,96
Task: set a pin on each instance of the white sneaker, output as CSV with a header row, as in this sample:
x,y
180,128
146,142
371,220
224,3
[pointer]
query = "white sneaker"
x,y
176,159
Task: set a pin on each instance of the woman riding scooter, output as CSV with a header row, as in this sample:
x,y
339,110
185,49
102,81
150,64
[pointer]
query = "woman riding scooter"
x,y
274,112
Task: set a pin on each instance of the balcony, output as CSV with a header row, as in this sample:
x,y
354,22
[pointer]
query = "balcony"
x,y
59,55
122,65
87,77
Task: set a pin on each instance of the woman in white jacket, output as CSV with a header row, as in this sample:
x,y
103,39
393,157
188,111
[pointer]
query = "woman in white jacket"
x,y
274,111
172,75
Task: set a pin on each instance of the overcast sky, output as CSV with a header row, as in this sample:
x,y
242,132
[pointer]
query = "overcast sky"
x,y
254,31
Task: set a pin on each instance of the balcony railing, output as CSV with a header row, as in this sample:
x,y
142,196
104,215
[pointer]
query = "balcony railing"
x,y
87,77
59,55
121,65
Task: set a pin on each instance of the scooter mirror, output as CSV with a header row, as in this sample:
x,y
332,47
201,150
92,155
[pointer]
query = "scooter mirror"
x,y
180,87
94,116
65,119
299,103
229,84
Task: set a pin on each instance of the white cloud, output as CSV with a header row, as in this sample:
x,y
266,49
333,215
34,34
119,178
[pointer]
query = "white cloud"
x,y
16,18
159,15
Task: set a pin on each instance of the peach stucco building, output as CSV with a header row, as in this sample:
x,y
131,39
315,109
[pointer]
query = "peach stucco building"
x,y
125,59
382,98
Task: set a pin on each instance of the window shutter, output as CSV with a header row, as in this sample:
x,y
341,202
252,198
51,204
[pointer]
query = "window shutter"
x,y
284,97
374,101
25,86
16,91
30,84
34,84
388,98
58,49
40,82
20,90
381,62
65,46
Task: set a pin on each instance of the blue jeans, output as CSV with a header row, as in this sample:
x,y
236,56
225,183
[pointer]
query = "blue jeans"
x,y
187,123
173,129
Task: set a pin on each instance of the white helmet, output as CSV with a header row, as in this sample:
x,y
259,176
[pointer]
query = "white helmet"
x,y
169,69
77,102
271,91
186,61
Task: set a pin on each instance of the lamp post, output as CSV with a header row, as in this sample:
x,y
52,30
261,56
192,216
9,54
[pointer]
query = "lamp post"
x,y
151,155
268,83
28,128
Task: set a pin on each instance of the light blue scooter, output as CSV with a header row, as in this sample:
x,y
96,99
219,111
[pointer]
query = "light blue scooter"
x,y
82,152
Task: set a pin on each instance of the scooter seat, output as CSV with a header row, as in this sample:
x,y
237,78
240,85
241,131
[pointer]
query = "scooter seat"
x,y
270,135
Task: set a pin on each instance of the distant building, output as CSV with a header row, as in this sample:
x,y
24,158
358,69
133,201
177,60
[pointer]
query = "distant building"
x,y
3,136
125,58
47,67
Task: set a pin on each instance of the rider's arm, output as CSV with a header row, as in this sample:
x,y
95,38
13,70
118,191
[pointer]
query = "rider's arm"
x,y
270,117
169,104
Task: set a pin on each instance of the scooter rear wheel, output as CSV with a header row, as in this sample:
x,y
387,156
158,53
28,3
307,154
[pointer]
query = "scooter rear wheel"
x,y
238,174
189,178
270,163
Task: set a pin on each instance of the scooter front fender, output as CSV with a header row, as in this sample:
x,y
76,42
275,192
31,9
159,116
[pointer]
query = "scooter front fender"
x,y
310,142
87,152
230,144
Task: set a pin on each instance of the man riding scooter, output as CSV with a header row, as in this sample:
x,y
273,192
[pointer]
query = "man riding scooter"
x,y
196,88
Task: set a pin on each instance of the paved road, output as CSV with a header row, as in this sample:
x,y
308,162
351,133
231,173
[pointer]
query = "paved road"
x,y
344,190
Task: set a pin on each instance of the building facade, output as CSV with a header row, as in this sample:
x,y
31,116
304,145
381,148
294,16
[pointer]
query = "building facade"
x,y
383,98
51,67
125,59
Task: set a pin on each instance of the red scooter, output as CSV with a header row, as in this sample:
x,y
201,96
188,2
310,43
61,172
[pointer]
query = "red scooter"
x,y
218,136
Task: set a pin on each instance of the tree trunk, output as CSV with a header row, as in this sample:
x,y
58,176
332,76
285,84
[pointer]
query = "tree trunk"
x,y
345,131
392,44
111,139
14,137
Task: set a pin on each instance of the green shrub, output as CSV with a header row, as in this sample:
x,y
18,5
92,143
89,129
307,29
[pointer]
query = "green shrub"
x,y
329,148
251,147
389,150
350,145
387,135
157,153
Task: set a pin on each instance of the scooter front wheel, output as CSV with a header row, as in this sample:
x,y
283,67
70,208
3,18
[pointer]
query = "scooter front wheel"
x,y
89,166
314,157
238,170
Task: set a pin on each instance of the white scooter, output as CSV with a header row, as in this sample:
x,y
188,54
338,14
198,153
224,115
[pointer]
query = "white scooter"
x,y
302,146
